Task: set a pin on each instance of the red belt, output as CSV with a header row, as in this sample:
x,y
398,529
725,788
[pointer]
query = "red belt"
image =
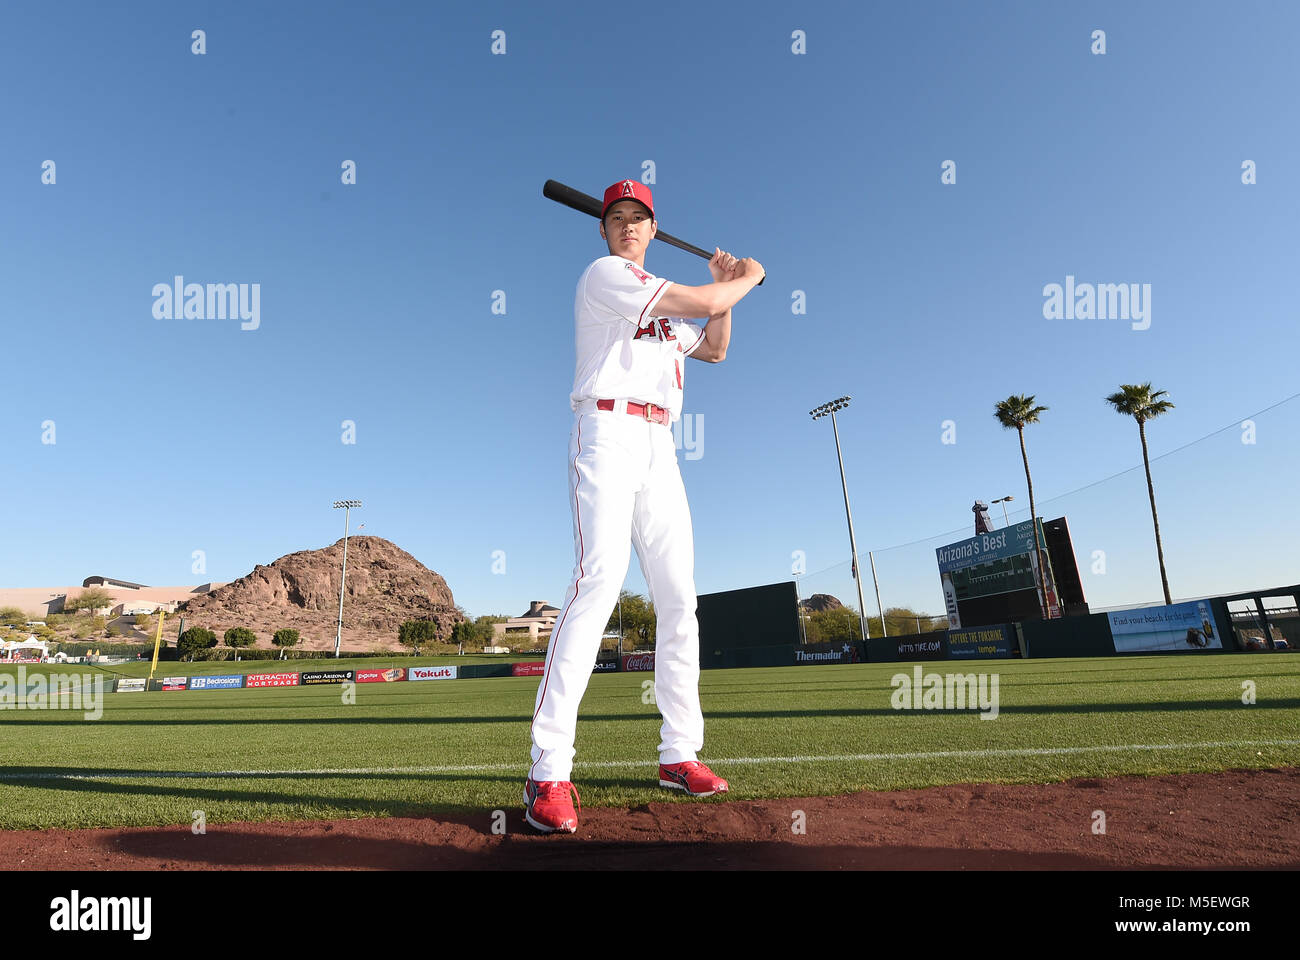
x,y
647,411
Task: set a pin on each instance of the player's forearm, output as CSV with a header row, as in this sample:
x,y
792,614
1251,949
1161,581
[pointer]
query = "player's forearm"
x,y
708,300
717,334
725,294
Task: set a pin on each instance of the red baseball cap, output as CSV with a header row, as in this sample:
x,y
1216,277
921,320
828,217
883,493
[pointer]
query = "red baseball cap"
x,y
628,190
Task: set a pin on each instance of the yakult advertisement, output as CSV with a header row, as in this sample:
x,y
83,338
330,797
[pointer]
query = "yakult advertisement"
x,y
432,673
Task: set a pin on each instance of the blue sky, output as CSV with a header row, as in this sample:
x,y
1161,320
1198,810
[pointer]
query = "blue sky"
x,y
924,300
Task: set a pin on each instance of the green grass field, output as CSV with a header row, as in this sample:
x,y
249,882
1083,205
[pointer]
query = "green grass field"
x,y
462,745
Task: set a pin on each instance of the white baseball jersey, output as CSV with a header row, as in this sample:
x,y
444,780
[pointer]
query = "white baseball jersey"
x,y
624,349
625,490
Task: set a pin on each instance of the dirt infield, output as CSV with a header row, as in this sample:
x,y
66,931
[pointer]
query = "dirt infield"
x,y
1230,820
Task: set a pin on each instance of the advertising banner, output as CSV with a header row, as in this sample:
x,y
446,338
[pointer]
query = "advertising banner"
x,y
131,685
433,673
326,676
979,643
534,669
229,681
272,680
391,675
826,653
174,683
920,649
950,599
605,666
639,661
1008,542
1183,626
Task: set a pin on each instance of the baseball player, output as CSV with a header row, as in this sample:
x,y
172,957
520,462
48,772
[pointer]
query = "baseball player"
x,y
625,489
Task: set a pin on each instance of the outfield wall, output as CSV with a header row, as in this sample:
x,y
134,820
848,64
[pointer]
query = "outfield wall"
x,y
1141,630
1067,637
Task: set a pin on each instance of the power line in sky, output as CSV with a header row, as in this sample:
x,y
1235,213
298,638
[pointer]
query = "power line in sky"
x,y
1087,486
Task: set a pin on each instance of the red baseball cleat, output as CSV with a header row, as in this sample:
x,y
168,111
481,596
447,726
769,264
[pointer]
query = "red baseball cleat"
x,y
548,807
693,777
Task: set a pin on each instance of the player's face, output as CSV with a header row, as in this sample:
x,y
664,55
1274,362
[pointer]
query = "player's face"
x,y
628,230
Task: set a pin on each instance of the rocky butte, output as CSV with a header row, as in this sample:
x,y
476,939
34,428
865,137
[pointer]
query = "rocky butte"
x,y
386,586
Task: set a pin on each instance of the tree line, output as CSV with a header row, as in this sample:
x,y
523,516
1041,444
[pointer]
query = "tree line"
x,y
1138,401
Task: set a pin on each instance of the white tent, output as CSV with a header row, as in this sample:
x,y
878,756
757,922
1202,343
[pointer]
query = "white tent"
x,y
10,648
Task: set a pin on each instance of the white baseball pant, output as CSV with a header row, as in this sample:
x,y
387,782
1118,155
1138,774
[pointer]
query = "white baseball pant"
x,y
624,488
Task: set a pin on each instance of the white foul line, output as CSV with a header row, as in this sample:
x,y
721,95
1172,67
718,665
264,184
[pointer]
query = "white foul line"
x,y
615,764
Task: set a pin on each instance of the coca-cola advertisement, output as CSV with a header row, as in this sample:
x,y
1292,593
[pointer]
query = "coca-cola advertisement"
x,y
534,669
639,661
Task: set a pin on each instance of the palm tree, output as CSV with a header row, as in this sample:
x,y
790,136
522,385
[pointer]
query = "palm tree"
x,y
1015,413
1138,402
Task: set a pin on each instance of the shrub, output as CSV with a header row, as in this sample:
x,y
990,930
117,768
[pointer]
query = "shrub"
x,y
92,598
417,633
12,616
195,639
106,649
240,637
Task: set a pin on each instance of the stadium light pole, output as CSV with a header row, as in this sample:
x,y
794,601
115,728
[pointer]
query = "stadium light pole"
x,y
817,414
347,506
1003,501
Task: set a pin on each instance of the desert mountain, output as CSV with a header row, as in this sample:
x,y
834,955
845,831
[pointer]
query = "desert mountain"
x,y
820,601
386,586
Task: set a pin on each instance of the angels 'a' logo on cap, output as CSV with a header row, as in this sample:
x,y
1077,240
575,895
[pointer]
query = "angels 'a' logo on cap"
x,y
627,190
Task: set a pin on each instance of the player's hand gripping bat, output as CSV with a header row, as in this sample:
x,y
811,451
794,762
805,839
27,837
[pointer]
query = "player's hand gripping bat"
x,y
560,193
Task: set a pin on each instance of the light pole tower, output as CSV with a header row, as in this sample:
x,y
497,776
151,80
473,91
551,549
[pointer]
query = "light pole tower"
x,y
817,414
347,506
1003,501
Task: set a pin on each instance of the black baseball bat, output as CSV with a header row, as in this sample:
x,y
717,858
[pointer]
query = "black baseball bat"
x,y
561,193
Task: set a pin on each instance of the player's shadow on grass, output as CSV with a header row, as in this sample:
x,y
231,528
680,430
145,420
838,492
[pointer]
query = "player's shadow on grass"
x,y
40,777
194,797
